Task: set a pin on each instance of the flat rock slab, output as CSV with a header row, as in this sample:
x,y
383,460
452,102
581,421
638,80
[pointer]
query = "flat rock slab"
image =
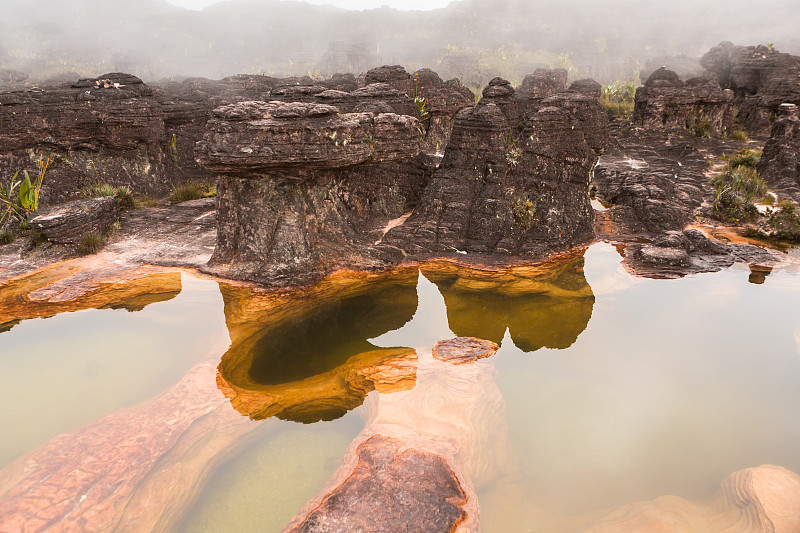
x,y
392,490
464,350
68,222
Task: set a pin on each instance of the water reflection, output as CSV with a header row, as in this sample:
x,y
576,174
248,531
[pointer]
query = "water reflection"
x,y
316,357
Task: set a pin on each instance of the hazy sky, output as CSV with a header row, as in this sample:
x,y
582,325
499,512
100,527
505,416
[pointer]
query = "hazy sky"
x,y
345,4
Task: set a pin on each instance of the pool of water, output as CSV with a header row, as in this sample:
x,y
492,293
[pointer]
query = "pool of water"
x,y
611,389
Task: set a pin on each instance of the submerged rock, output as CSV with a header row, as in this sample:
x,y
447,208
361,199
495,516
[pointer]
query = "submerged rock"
x,y
432,497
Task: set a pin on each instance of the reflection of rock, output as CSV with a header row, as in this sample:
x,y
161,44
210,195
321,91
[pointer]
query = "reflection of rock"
x,y
329,395
546,305
432,498
101,477
308,359
758,500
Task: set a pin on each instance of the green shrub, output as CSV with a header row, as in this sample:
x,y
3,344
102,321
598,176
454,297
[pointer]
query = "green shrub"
x,y
618,99
747,157
738,135
523,210
734,192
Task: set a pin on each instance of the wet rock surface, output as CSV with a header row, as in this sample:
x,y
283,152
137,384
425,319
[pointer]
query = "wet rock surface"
x,y
463,350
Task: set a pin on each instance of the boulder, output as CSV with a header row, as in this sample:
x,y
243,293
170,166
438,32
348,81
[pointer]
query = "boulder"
x,y
542,83
666,102
68,222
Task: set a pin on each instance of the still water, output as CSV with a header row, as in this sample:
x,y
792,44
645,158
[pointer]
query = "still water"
x,y
612,389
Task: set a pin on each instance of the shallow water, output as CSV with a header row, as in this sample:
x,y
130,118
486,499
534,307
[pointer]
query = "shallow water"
x,y
615,389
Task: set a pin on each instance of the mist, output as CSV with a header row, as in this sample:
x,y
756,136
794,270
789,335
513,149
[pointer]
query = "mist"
x,y
474,40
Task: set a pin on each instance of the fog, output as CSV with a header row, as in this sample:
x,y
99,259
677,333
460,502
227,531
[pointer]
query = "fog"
x,y
471,39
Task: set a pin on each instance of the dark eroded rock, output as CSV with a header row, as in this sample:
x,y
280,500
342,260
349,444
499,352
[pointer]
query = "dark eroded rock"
x,y
66,223
780,162
306,190
587,86
761,77
654,180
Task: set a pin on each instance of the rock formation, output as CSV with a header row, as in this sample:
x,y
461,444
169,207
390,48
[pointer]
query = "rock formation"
x,y
780,161
762,79
698,105
306,189
513,180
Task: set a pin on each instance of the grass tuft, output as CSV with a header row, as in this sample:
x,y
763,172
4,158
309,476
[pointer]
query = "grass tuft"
x,y
91,243
192,190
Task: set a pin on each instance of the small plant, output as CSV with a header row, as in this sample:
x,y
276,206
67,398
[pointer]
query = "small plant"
x,y
738,135
370,140
422,106
747,158
618,99
172,150
523,210
6,237
91,242
123,194
702,129
734,193
192,191
512,151
143,200
768,199
21,197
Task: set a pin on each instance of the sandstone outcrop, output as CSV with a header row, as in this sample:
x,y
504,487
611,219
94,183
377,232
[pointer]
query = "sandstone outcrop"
x,y
305,189
698,105
542,83
587,86
762,79
513,180
780,161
